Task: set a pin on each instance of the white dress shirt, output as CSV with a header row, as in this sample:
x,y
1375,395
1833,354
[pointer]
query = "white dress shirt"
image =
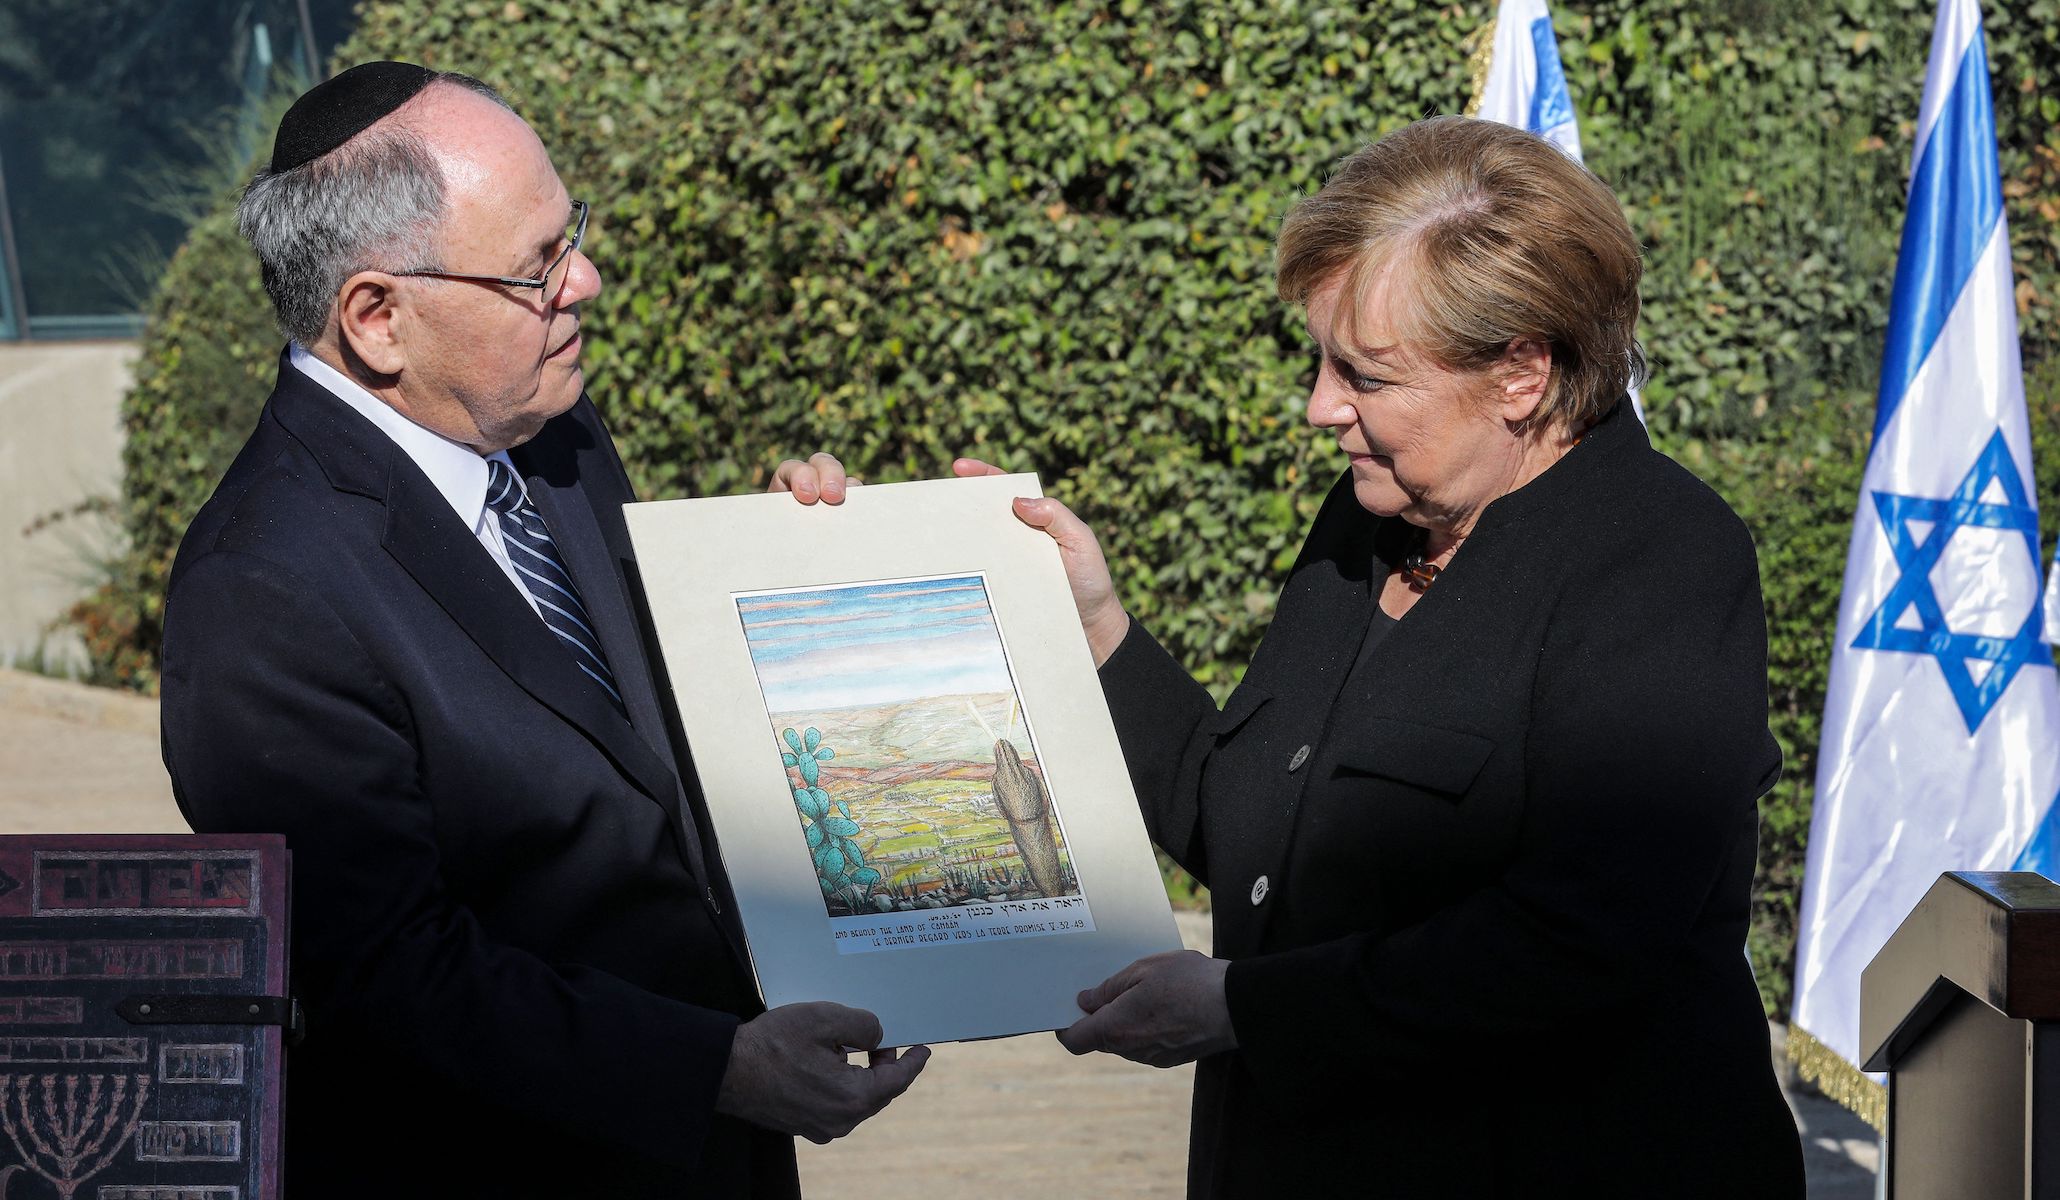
x,y
457,470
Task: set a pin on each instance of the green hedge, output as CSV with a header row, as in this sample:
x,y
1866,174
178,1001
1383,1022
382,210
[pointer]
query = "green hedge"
x,y
903,231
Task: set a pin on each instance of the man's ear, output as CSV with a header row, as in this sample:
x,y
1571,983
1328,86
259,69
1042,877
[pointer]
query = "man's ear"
x,y
374,320
1525,370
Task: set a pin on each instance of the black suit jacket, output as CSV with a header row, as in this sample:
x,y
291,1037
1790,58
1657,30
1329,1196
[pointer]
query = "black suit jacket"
x,y
1486,906
509,937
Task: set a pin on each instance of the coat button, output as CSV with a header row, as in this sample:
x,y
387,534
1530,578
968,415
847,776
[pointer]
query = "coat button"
x,y
1295,763
1259,889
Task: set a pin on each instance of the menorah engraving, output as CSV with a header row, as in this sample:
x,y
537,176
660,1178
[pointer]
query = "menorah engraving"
x,y
62,1135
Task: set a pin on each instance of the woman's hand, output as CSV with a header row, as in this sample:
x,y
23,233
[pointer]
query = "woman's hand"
x,y
820,478
1162,1010
1087,571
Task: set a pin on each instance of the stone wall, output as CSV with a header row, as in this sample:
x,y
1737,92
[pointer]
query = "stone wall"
x,y
60,447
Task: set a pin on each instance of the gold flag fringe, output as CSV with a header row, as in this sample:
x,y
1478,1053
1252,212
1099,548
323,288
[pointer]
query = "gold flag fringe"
x,y
1481,46
1832,1075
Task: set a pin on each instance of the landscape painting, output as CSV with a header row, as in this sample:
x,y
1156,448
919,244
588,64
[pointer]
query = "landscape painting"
x,y
914,778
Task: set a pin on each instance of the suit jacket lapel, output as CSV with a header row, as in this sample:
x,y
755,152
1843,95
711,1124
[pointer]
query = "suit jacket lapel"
x,y
598,556
451,565
591,561
429,541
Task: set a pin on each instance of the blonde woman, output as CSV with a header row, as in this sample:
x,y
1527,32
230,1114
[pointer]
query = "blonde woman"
x,y
1479,822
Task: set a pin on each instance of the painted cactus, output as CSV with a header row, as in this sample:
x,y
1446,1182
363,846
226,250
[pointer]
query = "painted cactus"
x,y
840,866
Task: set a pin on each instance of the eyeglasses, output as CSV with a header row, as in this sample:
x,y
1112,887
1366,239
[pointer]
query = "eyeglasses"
x,y
575,230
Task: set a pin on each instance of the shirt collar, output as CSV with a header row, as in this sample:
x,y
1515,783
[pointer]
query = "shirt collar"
x,y
456,469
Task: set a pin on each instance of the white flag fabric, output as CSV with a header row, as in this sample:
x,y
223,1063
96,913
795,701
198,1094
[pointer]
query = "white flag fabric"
x,y
1525,86
1941,746
2053,599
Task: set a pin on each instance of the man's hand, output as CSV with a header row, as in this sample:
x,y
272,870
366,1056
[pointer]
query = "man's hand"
x,y
820,478
1087,572
1162,1010
788,1071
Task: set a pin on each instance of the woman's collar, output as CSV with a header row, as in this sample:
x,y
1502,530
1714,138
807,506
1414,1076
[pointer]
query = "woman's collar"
x,y
1613,434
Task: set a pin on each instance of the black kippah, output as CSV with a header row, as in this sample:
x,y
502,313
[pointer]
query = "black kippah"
x,y
334,112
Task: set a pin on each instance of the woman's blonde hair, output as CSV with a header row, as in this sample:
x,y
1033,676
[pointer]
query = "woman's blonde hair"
x,y
1492,235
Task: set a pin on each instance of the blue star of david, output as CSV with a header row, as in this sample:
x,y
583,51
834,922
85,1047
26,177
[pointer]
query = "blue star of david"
x,y
1913,589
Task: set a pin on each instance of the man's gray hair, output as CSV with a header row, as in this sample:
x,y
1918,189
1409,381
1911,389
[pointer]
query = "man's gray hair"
x,y
374,203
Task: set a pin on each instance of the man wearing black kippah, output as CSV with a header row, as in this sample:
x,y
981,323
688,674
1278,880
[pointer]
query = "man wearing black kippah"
x,y
405,633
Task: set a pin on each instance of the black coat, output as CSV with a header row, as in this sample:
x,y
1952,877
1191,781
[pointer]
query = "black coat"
x,y
516,979
1486,909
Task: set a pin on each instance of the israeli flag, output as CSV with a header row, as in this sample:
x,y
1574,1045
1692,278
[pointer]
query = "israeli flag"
x,y
1524,85
1941,747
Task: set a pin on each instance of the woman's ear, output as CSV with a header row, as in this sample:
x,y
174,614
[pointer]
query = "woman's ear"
x,y
1523,373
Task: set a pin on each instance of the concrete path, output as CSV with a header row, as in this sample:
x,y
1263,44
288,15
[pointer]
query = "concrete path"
x,y
1024,1110
80,760
1021,1109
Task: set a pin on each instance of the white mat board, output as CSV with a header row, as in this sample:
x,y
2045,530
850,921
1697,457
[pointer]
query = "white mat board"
x,y
825,615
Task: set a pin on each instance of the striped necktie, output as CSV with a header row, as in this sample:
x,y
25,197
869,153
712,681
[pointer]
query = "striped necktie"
x,y
535,559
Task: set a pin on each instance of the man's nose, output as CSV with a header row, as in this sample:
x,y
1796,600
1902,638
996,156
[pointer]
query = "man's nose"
x,y
582,281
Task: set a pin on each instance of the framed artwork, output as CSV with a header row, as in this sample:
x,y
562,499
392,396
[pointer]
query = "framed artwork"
x,y
914,780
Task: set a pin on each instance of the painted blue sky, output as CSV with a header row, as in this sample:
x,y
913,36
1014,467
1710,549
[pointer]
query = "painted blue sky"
x,y
873,643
